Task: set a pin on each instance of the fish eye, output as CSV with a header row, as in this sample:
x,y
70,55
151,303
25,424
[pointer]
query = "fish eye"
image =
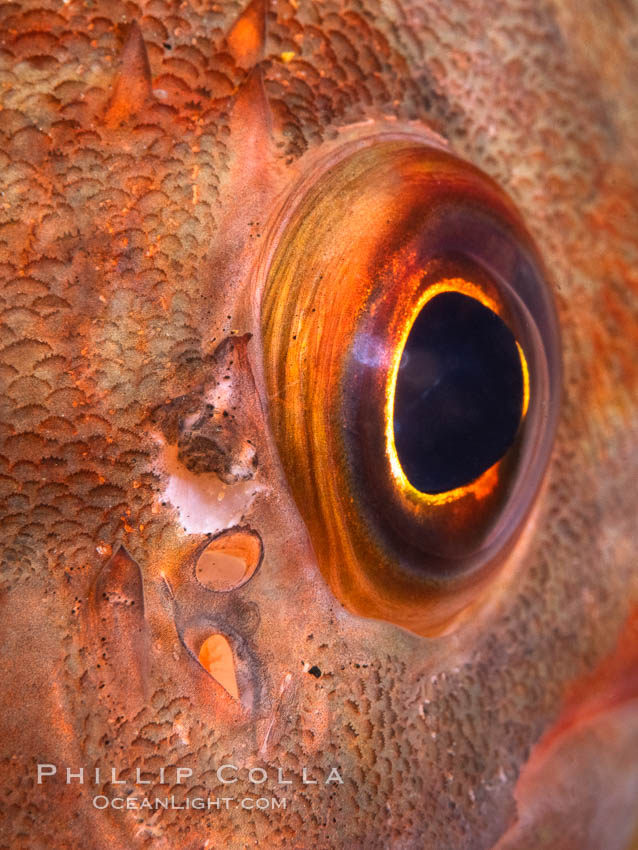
x,y
412,358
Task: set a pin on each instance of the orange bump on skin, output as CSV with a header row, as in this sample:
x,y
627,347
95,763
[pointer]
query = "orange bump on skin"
x,y
216,656
132,87
253,157
251,113
230,560
248,34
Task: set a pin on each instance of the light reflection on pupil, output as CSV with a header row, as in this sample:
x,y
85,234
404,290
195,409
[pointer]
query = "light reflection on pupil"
x,y
459,394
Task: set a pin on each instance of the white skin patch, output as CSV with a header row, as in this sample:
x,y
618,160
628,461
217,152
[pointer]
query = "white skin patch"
x,y
205,504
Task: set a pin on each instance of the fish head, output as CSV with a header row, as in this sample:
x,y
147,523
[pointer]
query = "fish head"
x,y
216,222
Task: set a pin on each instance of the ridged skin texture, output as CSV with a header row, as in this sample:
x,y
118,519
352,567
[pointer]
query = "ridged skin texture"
x,y
132,216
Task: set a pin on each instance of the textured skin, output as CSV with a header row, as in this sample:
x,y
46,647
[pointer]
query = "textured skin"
x,y
128,240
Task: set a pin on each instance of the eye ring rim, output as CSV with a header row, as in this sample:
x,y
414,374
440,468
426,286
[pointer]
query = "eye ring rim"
x,y
441,595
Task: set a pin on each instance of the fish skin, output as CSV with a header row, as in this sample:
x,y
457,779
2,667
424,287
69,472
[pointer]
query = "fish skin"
x,y
128,251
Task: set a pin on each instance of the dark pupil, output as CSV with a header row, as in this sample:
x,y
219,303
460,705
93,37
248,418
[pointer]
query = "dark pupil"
x,y
459,393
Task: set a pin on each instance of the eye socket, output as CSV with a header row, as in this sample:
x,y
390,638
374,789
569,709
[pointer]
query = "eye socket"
x,y
413,365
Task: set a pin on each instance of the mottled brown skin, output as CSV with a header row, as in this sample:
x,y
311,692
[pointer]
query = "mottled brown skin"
x,y
132,216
